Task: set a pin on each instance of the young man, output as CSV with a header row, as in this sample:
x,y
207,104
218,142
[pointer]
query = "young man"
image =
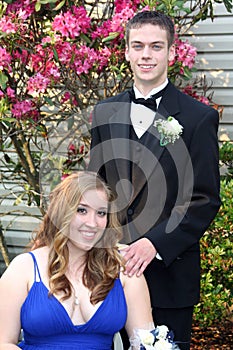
x,y
164,171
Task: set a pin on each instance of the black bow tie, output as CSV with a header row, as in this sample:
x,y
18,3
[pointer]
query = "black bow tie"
x,y
149,102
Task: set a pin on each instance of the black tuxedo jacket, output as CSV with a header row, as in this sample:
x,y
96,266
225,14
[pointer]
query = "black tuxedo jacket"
x,y
168,194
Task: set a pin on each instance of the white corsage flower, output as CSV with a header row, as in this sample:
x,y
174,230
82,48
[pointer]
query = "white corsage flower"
x,y
162,344
162,332
160,338
146,338
169,130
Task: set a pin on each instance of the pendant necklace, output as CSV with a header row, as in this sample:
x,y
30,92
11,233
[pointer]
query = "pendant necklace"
x,y
76,300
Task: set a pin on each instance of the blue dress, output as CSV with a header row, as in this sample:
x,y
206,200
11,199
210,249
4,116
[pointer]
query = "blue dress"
x,y
47,325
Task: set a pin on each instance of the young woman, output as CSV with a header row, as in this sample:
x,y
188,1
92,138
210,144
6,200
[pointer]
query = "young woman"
x,y
68,292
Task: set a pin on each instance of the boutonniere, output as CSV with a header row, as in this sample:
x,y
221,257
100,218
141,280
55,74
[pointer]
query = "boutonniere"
x,y
169,130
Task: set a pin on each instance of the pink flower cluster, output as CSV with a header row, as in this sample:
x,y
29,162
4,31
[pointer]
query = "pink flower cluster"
x,y
185,54
71,23
24,110
7,26
119,20
120,5
188,89
21,8
37,84
5,59
37,58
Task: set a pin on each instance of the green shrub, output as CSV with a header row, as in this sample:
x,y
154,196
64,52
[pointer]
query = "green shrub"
x,y
217,263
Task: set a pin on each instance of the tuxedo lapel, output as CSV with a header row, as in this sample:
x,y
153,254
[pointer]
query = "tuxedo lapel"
x,y
119,125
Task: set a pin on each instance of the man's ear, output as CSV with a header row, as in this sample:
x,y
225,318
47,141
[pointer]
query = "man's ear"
x,y
127,53
171,53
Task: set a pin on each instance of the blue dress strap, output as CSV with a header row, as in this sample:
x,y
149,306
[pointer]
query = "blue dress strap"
x,y
36,268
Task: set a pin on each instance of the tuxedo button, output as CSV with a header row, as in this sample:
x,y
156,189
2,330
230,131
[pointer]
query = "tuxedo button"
x,y
130,211
138,148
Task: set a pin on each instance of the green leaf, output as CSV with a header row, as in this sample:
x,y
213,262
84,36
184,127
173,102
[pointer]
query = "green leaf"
x,y
38,6
47,1
8,120
48,100
59,5
85,38
110,37
70,123
3,80
55,54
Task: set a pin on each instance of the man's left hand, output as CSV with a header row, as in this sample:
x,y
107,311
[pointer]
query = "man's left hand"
x,y
137,256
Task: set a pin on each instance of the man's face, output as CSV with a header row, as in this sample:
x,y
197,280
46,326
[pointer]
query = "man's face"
x,y
148,54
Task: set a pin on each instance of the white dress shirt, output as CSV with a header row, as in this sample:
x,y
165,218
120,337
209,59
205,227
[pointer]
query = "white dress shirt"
x,y
141,116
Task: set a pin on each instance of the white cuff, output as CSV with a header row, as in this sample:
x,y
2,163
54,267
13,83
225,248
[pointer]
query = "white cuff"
x,y
158,256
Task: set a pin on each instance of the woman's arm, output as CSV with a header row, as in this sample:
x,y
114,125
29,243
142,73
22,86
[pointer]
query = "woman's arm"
x,y
8,347
13,291
138,304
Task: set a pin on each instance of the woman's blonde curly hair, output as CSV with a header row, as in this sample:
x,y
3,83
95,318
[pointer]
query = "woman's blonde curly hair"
x,y
103,261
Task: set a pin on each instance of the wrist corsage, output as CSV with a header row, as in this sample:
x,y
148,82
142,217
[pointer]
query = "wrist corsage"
x,y
169,130
159,338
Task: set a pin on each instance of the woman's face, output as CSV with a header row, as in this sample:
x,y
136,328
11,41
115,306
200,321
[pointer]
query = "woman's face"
x,y
88,223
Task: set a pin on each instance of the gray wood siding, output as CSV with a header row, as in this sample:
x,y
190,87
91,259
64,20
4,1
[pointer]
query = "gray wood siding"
x,y
214,43
17,221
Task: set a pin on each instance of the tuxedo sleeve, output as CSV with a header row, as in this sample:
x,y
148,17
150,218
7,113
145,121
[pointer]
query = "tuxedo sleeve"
x,y
96,162
200,201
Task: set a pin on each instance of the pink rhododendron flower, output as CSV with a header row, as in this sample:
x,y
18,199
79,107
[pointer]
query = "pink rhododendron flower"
x,y
42,59
120,19
37,84
117,24
185,53
188,89
72,23
103,57
21,108
68,97
5,59
25,109
102,31
204,100
10,92
64,51
21,55
84,59
24,8
122,4
6,25
54,72
72,149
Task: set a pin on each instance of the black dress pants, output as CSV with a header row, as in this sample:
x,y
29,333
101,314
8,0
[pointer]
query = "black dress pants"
x,y
178,320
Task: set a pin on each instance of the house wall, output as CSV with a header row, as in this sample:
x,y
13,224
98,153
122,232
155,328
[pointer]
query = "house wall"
x,y
214,43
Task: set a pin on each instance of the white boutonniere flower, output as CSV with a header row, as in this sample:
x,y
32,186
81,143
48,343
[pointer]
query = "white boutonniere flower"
x,y
169,130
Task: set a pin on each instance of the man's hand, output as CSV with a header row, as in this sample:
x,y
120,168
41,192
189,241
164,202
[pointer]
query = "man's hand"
x,y
137,256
